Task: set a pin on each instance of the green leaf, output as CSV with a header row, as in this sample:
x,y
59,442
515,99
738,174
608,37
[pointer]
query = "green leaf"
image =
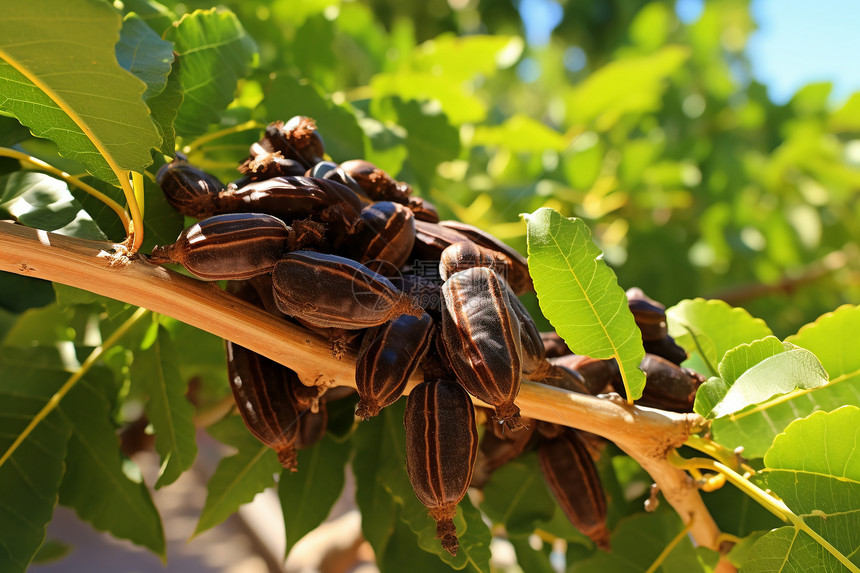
x,y
580,296
238,478
157,16
520,133
530,559
797,368
83,101
814,468
141,51
787,549
95,485
41,201
382,484
430,139
638,541
214,53
707,329
517,497
30,478
832,338
337,124
156,373
21,293
165,108
308,495
52,550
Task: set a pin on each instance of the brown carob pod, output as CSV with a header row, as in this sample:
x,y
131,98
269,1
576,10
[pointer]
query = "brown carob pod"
x,y
377,184
534,364
572,478
265,395
482,338
667,348
336,292
431,239
649,314
466,255
296,139
189,190
386,236
518,278
423,210
232,246
554,345
266,165
598,375
566,379
426,292
498,447
441,446
388,356
667,386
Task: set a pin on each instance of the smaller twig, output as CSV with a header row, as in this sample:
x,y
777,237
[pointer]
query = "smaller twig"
x,y
668,549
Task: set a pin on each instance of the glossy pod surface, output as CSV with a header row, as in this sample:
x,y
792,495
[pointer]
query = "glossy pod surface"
x,y
336,292
296,139
649,314
431,239
441,445
572,478
264,394
467,255
189,190
388,356
667,385
598,375
482,339
232,246
376,183
385,238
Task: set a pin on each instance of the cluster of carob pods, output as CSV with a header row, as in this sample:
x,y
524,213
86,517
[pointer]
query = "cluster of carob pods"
x,y
347,251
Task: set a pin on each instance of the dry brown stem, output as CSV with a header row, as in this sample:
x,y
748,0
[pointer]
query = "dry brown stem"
x,y
645,434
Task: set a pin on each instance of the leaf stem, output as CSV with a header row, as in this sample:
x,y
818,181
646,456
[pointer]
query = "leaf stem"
x,y
135,208
203,139
718,452
54,401
769,502
72,179
668,549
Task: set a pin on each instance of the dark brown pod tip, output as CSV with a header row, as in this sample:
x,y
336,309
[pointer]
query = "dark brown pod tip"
x,y
667,386
377,184
268,164
189,190
423,210
296,139
598,375
667,348
554,345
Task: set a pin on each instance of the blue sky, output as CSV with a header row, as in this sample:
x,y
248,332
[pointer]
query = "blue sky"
x,y
798,41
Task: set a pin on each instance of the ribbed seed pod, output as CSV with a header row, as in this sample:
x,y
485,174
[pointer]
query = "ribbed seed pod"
x,y
498,447
431,239
377,184
535,365
189,190
667,348
599,375
441,445
296,139
388,356
566,379
554,345
423,210
336,292
518,277
386,237
649,314
572,478
266,165
233,246
482,338
264,392
466,255
667,386
426,292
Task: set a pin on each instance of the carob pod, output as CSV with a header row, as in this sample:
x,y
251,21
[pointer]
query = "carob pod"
x,y
388,356
232,246
312,426
482,338
667,348
441,446
426,292
377,184
385,239
296,139
554,345
572,478
566,379
336,292
598,375
498,447
518,277
467,255
535,366
189,190
650,315
423,210
267,395
431,239
265,165
667,385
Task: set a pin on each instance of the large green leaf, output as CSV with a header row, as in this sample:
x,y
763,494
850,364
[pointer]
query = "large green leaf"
x,y
517,497
336,123
383,488
308,495
141,51
74,92
520,133
214,53
165,107
580,296
530,559
813,467
95,484
30,478
238,478
430,140
832,338
707,329
156,373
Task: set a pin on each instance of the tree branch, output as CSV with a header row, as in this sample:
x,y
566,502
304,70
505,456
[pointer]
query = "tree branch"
x,y
646,434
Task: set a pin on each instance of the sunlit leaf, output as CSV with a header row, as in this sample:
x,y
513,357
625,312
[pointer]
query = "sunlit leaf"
x,y
580,296
141,51
520,133
213,52
83,101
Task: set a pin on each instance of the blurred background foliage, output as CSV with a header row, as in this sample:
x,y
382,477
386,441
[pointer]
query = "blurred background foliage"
x,y
650,128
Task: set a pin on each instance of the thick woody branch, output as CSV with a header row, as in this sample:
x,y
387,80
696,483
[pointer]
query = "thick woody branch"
x,y
645,434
